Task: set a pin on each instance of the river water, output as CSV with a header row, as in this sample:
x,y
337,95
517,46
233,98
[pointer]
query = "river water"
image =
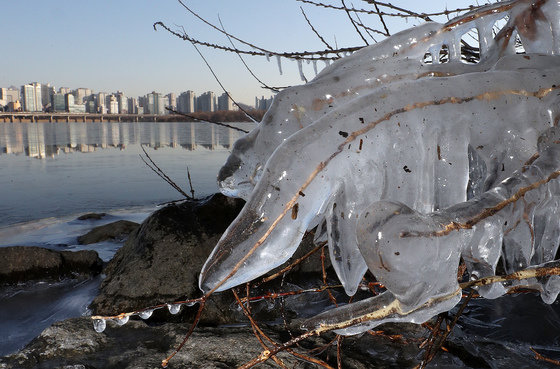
x,y
50,173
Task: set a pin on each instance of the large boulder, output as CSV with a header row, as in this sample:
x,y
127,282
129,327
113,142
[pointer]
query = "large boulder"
x,y
115,231
160,262
22,264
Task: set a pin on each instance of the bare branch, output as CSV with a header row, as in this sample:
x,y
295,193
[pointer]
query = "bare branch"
x,y
157,170
222,86
204,120
315,31
354,23
304,55
387,33
403,13
264,85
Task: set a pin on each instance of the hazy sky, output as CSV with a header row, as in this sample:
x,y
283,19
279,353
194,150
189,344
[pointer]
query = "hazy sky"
x,y
110,45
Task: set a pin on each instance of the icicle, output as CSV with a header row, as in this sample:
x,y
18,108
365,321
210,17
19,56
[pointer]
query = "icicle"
x,y
99,325
267,56
122,321
278,59
174,308
145,314
300,68
315,66
327,62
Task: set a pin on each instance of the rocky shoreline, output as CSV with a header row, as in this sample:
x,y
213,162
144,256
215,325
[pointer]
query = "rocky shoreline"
x,y
160,262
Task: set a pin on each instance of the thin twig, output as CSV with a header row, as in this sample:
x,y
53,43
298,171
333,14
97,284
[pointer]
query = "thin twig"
x,y
354,23
292,265
387,33
189,333
157,170
367,29
246,311
404,13
264,85
257,331
221,85
303,55
204,120
339,339
316,32
432,350
544,358
190,182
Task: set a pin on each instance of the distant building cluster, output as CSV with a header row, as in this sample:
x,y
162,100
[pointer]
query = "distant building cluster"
x,y
39,97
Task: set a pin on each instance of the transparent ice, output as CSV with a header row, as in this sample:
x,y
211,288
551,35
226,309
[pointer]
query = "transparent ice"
x,y
123,320
145,314
389,145
99,325
174,308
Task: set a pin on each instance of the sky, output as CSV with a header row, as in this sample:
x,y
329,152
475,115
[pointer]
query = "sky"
x,y
110,45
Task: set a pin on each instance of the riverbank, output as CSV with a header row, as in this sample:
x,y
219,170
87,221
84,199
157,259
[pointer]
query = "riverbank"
x,y
160,262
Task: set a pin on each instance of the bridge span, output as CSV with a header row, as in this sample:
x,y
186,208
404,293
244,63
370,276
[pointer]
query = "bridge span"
x,y
33,117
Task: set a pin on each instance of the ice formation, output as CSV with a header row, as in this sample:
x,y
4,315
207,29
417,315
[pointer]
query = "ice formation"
x,y
397,150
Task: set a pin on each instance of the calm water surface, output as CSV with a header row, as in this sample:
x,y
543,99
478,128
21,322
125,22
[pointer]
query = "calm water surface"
x,y
52,172
62,169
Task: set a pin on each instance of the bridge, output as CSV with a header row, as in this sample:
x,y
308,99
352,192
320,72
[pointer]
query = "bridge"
x,y
33,117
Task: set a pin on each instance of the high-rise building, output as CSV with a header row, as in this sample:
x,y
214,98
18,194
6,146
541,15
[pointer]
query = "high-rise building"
x,y
58,102
101,103
9,94
171,101
186,102
64,90
132,105
113,105
205,102
155,103
72,107
32,99
262,103
46,92
225,102
91,105
80,94
122,102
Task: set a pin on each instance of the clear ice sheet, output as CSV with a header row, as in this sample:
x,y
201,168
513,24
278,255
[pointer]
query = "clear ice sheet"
x,y
414,145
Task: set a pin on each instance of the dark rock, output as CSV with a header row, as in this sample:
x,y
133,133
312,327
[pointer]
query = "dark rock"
x,y
118,230
73,342
22,264
161,261
91,216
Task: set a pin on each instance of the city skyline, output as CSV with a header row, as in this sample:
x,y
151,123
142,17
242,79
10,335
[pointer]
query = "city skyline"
x,y
44,97
110,46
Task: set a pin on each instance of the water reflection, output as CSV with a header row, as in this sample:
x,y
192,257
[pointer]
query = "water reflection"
x,y
111,175
47,140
